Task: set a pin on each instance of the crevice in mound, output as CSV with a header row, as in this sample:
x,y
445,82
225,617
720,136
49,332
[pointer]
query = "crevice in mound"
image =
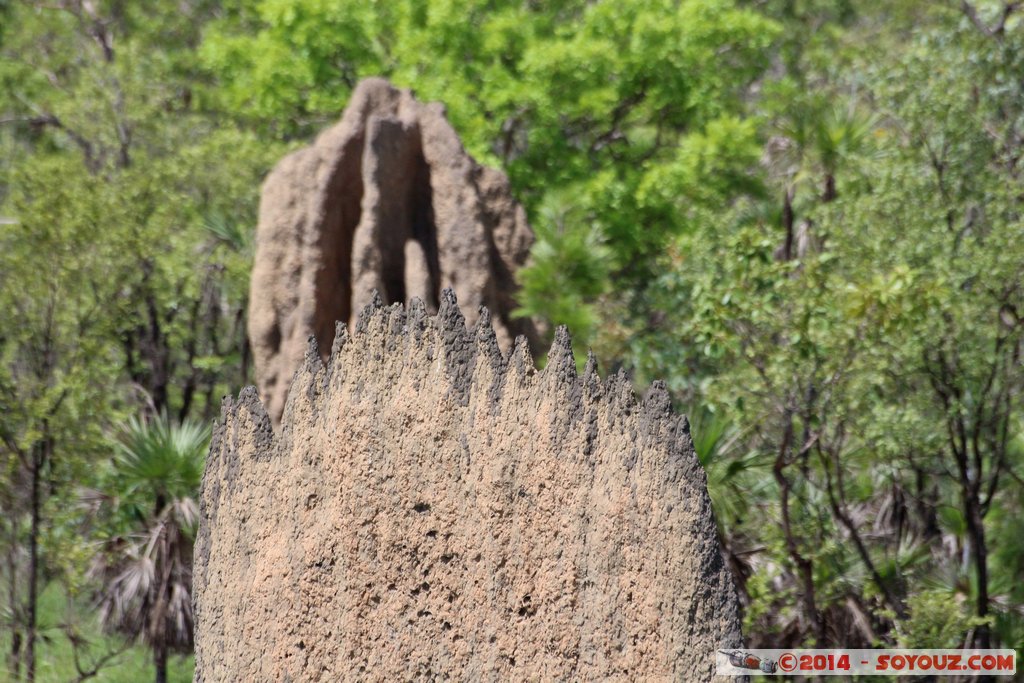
x,y
342,213
424,233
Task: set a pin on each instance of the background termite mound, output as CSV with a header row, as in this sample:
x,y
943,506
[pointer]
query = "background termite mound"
x,y
387,199
433,508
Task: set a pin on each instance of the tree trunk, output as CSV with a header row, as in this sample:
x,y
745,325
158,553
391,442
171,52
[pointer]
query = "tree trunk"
x,y
15,661
33,567
14,656
804,565
830,193
976,530
160,661
788,219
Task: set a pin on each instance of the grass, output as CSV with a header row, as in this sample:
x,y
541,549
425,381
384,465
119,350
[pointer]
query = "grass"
x,y
54,660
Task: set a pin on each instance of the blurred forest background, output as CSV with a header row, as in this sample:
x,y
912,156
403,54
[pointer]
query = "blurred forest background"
x,y
805,215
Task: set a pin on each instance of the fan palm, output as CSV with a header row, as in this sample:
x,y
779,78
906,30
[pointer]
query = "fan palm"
x,y
145,565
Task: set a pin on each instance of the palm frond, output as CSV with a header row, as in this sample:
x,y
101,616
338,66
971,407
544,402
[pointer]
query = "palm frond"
x,y
161,457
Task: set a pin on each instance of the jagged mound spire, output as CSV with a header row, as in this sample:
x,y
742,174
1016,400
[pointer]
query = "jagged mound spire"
x,y
386,200
432,507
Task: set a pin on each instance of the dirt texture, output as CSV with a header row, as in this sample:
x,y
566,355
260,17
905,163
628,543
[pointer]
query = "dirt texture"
x,y
387,199
432,509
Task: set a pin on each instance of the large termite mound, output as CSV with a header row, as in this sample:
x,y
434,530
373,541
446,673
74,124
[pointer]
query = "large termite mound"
x,y
434,509
387,199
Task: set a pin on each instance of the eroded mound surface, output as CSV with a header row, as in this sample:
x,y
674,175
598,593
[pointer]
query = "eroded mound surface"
x,y
433,509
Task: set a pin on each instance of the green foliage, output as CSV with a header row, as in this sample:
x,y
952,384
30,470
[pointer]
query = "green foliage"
x,y
570,268
159,460
57,657
936,621
869,346
115,296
